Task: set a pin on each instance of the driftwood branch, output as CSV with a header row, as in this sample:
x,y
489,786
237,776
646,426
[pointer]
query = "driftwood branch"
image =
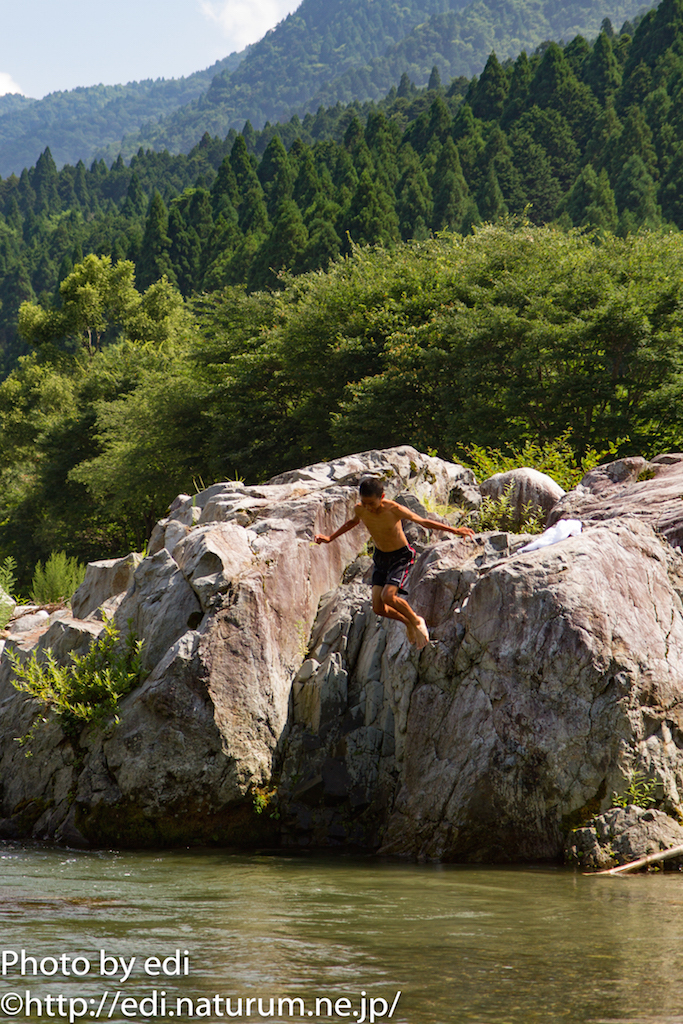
x,y
653,858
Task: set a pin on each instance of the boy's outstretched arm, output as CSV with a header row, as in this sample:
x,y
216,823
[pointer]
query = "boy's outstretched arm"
x,y
321,538
431,524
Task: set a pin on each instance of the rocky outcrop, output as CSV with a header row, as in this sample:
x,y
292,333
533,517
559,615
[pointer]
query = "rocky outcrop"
x,y
623,835
225,607
550,676
647,491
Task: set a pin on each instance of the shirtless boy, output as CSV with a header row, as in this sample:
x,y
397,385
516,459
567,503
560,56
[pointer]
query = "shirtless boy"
x,y
393,556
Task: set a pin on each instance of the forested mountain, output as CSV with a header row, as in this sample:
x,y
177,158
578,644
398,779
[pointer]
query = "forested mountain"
x,y
332,51
326,51
176,337
589,136
76,123
14,101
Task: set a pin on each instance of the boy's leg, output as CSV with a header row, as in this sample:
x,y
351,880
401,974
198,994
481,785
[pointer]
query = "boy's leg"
x,y
402,610
379,607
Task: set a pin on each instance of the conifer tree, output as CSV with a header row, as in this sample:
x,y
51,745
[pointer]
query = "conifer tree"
x,y
306,188
576,54
671,190
451,193
371,216
490,201
82,192
518,94
591,203
154,259
601,212
469,140
184,251
381,140
658,111
414,203
225,194
135,202
324,245
549,129
242,167
555,85
44,180
275,175
253,215
499,153
284,245
636,197
542,189
405,87
434,83
602,147
490,92
636,140
603,73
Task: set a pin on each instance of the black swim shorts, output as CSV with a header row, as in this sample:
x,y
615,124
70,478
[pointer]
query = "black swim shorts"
x,y
392,567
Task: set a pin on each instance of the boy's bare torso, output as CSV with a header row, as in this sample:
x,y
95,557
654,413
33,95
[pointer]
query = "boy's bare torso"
x,y
383,523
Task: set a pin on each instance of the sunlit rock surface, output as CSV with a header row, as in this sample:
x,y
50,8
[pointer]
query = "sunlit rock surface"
x,y
279,709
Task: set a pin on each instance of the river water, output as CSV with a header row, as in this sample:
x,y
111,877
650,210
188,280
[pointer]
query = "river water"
x,y
209,928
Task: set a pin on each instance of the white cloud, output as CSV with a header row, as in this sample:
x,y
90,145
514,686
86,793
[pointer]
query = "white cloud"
x,y
7,84
246,21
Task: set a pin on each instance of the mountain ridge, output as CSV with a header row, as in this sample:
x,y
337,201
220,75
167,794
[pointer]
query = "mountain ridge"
x,y
325,51
29,126
471,32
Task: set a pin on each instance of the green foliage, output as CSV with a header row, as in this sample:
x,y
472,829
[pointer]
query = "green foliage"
x,y
640,791
501,514
556,458
8,579
87,690
57,580
577,134
8,583
265,800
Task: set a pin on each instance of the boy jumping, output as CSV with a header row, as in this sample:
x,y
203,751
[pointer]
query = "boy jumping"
x,y
393,556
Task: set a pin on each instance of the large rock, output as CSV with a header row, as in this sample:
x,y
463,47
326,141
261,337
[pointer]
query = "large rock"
x,y
567,673
103,580
623,835
549,676
646,491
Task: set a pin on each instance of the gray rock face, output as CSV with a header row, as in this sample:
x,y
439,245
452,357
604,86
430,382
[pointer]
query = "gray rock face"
x,y
549,676
622,835
225,620
103,580
650,492
567,674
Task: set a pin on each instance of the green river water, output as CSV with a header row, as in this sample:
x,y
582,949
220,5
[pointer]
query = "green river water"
x,y
460,944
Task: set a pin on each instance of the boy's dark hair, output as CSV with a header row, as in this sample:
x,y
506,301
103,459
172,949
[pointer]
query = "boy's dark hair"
x,y
371,487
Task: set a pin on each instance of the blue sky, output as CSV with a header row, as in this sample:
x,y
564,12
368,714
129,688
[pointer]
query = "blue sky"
x,y
49,45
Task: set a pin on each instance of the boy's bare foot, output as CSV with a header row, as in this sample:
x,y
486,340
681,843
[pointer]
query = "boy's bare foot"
x,y
422,633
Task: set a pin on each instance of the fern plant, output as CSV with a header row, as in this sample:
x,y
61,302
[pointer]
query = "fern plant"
x,y
87,690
